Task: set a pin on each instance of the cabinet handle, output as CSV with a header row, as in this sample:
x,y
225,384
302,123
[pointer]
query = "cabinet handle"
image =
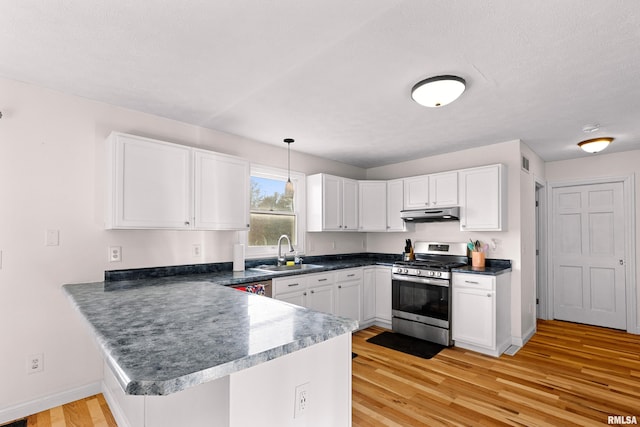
x,y
345,226
322,280
304,293
292,284
313,292
471,282
351,275
248,225
489,295
186,223
339,286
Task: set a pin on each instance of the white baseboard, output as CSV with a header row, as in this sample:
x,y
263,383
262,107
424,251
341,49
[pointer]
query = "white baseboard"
x,y
114,407
23,410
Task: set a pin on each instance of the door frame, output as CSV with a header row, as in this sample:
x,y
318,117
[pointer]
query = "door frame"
x,y
541,272
628,194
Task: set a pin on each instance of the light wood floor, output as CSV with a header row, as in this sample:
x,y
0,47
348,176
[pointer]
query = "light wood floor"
x,y
566,375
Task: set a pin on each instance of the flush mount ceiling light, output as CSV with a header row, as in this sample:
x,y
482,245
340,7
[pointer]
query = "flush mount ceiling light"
x,y
288,187
595,145
438,91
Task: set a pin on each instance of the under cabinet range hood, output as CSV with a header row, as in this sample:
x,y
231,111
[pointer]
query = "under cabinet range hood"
x,y
431,215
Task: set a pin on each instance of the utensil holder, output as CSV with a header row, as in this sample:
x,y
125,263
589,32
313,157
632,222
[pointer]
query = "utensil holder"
x,y
477,259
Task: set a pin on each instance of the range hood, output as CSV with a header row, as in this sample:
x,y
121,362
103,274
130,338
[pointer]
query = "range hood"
x,y
431,215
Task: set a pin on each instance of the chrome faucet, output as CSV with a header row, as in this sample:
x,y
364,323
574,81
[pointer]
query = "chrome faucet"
x,y
282,260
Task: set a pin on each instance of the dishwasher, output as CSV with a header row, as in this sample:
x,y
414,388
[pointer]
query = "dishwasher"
x,y
259,288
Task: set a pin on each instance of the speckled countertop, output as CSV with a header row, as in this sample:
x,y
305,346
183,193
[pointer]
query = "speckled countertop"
x,y
161,335
493,267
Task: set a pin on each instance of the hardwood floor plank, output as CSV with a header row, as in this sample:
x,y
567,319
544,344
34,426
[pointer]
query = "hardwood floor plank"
x,y
568,374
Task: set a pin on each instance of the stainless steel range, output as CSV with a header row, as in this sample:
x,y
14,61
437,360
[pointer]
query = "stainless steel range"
x,y
421,291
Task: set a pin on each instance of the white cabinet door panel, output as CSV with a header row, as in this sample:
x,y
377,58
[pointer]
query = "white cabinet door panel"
x,y
150,184
221,192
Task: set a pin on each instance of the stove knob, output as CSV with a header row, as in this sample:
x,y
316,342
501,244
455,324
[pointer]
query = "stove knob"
x,y
439,274
431,273
418,272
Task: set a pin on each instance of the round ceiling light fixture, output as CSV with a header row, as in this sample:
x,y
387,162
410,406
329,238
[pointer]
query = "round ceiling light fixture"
x,y
595,145
438,91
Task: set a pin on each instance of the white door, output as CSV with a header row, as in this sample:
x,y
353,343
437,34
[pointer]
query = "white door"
x,y
331,203
443,189
588,236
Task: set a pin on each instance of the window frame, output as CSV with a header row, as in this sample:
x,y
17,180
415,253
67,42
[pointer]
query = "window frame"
x,y
299,210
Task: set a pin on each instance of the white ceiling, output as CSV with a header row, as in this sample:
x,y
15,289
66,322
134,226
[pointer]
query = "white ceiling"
x,y
336,75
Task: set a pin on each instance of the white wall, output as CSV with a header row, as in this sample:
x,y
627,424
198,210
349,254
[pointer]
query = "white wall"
x,y
604,166
528,238
509,241
52,170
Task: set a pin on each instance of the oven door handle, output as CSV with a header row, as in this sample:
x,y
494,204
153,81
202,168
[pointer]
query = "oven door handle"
x,y
424,280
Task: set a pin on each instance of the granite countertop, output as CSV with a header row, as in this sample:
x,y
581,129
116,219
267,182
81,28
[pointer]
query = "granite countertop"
x,y
164,337
493,267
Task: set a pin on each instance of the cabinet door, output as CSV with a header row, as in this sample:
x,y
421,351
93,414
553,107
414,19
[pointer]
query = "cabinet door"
x,y
416,192
395,204
373,205
349,204
331,202
349,299
221,192
474,317
322,298
297,298
150,184
443,189
383,293
369,294
482,199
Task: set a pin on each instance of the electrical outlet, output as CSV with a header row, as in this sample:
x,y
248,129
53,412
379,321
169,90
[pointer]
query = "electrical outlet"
x,y
115,253
302,400
35,363
196,250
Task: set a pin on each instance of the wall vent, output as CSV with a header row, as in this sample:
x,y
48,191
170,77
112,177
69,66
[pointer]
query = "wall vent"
x,y
525,164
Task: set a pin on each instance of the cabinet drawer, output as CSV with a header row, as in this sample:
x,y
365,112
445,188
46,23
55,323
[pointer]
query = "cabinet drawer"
x,y
474,281
289,284
320,279
349,274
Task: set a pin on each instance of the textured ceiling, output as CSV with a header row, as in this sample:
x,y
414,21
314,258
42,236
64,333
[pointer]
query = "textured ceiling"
x,y
336,75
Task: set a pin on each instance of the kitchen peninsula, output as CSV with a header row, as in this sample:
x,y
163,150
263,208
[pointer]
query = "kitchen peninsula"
x,y
185,350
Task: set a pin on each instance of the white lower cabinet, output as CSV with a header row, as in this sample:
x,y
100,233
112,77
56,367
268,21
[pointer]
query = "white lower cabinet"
x,y
349,293
383,296
481,312
369,295
337,293
321,295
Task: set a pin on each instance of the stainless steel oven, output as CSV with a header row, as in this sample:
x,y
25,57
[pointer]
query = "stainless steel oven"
x,y
421,291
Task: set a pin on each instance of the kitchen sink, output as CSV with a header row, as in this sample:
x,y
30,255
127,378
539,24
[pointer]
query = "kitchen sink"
x,y
285,268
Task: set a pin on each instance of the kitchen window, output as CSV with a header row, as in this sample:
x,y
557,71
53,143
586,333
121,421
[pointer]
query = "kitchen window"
x,y
272,213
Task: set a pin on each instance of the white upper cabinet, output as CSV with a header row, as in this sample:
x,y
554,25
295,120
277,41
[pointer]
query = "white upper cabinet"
x,y
483,198
149,183
395,204
332,203
416,192
443,189
158,185
373,205
221,191
431,191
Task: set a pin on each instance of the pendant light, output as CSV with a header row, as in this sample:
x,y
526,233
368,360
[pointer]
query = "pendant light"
x,y
595,145
438,91
288,188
